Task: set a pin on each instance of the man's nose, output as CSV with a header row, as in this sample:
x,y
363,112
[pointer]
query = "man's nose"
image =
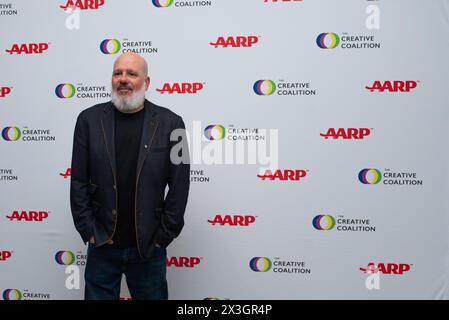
x,y
123,78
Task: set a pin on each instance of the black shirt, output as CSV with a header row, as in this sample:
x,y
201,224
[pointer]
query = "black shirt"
x,y
128,130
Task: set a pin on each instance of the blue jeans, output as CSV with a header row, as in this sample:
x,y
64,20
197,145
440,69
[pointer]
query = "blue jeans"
x,y
146,279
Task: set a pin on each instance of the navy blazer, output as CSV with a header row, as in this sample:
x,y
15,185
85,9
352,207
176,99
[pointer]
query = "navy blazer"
x,y
93,194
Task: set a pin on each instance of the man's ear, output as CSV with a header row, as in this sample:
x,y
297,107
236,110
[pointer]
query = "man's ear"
x,y
147,83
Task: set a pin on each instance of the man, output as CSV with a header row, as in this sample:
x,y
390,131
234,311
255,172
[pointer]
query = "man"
x,y
121,165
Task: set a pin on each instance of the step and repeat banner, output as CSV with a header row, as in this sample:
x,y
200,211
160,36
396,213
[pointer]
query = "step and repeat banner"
x,y
317,132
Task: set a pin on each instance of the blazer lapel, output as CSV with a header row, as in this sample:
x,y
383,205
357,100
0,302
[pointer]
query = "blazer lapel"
x,y
150,125
107,124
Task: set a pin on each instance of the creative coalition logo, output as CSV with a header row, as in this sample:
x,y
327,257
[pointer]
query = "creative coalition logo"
x,y
28,48
388,177
347,133
276,265
113,46
65,90
370,176
5,255
8,175
27,135
30,216
284,175
199,176
219,132
233,220
283,88
393,86
83,4
66,258
330,40
12,294
325,222
16,294
260,264
214,132
264,87
68,90
387,268
180,4
183,262
11,133
235,41
7,9
4,91
181,88
110,46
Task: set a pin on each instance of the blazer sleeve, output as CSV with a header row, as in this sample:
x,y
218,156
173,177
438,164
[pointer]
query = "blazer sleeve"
x,y
172,217
82,212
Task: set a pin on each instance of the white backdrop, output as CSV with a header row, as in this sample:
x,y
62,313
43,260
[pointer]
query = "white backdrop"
x,y
269,244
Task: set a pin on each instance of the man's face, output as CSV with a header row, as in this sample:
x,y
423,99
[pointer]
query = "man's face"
x,y
128,76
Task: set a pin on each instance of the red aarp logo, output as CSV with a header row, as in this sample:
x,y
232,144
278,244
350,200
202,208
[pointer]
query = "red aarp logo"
x,y
66,174
346,133
28,215
5,255
183,262
4,91
235,42
181,88
283,175
83,4
28,48
393,86
387,268
232,220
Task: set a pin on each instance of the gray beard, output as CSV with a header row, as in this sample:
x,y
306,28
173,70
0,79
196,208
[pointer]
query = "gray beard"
x,y
128,104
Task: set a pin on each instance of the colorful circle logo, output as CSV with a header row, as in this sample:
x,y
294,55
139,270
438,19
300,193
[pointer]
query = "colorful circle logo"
x,y
264,87
260,264
110,46
65,90
334,40
12,294
323,222
214,132
11,133
370,176
161,4
65,257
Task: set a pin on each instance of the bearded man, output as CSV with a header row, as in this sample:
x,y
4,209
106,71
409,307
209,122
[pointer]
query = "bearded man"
x,y
121,165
